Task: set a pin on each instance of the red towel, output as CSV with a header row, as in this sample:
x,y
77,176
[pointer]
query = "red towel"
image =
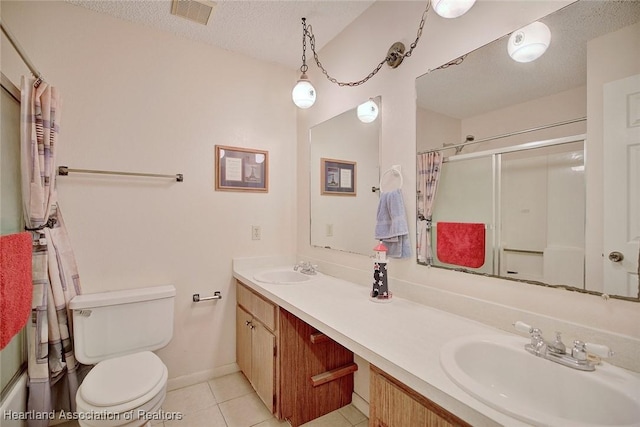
x,y
15,284
461,243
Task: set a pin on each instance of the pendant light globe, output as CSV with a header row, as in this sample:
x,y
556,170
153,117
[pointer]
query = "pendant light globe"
x,y
303,94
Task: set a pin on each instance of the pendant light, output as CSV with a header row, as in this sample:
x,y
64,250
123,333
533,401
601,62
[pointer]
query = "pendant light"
x,y
529,43
304,94
452,8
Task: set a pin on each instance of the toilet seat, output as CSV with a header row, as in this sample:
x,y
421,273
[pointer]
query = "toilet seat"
x,y
131,383
122,381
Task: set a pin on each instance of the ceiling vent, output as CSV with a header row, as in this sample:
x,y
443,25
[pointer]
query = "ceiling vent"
x,y
195,10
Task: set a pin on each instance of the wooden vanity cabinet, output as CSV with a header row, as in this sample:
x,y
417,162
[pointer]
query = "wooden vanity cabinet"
x,y
298,372
393,404
317,372
256,346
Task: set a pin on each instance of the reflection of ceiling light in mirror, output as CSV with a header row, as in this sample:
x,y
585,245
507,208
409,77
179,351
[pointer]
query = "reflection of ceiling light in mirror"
x,y
367,111
578,168
259,158
529,43
303,94
452,8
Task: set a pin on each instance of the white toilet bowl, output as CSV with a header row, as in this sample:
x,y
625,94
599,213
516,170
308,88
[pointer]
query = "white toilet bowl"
x,y
123,391
117,332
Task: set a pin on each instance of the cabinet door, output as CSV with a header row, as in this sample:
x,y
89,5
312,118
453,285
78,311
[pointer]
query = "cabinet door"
x,y
243,341
263,363
393,404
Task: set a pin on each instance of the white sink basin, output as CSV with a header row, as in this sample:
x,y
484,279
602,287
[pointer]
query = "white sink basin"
x,y
496,370
284,277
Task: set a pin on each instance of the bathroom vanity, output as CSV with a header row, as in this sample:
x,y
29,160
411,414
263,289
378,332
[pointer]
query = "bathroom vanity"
x,y
299,373
413,360
406,377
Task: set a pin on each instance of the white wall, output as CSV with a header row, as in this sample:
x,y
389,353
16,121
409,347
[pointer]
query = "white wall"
x,y
137,99
493,301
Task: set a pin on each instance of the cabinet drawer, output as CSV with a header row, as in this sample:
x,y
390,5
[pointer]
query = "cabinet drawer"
x,y
243,296
261,309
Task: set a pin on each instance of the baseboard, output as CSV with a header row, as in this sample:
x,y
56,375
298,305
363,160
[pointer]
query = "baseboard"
x,y
198,377
360,404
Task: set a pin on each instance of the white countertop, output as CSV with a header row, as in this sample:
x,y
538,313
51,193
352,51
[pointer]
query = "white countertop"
x,y
401,337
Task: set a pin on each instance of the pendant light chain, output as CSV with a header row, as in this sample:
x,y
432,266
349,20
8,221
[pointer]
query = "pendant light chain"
x,y
304,67
420,27
395,55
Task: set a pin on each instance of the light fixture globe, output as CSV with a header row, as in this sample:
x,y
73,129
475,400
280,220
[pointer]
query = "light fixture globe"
x,y
303,94
367,111
529,43
452,8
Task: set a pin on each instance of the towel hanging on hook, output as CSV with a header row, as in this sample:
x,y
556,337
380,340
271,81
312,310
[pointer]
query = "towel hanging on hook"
x,y
395,170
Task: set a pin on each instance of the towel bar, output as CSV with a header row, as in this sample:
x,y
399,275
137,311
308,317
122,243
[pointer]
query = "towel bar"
x,y
334,374
318,337
64,171
216,295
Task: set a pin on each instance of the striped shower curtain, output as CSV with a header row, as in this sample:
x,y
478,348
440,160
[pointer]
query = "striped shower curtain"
x,y
429,165
52,367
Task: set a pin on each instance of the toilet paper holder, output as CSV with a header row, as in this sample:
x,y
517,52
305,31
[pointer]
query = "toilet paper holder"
x,y
216,295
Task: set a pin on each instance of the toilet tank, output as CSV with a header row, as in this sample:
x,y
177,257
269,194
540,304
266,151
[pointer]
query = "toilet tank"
x,y
111,324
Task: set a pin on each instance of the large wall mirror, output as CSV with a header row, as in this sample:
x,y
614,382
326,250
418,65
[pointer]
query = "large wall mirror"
x,y
540,173
344,166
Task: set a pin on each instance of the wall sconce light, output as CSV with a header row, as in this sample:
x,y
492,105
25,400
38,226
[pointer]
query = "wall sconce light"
x,y
367,111
529,43
304,94
452,8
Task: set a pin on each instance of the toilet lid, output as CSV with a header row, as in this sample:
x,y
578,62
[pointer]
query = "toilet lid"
x,y
122,379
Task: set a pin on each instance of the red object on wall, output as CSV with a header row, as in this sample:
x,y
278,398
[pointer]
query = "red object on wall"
x,y
461,243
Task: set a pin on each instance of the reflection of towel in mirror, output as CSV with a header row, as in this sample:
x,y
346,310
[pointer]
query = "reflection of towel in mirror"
x,y
391,224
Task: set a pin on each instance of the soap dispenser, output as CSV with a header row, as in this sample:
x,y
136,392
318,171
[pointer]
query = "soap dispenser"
x,y
380,291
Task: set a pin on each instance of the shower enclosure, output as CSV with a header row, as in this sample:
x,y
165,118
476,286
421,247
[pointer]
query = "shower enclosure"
x,y
531,200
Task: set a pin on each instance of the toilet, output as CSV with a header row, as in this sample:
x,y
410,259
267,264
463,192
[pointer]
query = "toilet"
x,y
117,332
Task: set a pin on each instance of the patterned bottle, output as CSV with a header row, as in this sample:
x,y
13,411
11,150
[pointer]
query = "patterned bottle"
x,y
380,290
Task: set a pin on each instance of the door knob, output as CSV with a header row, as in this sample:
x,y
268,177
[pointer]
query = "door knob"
x,y
616,256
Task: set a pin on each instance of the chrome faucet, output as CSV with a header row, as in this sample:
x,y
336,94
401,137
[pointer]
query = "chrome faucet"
x,y
305,267
556,351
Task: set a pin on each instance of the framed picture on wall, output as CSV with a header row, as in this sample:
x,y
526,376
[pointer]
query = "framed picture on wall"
x,y
338,177
241,169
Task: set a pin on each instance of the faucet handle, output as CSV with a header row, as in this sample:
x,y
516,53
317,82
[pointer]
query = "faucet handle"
x,y
523,327
599,350
579,351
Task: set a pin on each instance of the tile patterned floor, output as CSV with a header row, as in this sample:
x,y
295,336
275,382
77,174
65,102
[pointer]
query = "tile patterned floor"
x,y
230,401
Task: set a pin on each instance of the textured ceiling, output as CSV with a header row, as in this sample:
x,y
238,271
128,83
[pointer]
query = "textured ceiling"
x,y
262,29
489,79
